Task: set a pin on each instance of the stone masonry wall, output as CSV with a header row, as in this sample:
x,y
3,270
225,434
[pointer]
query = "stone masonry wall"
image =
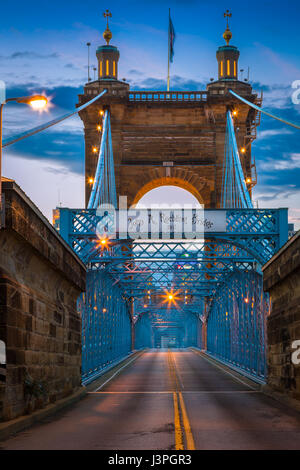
x,y
282,281
40,281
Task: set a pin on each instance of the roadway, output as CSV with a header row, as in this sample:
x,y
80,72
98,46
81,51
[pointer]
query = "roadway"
x,y
166,400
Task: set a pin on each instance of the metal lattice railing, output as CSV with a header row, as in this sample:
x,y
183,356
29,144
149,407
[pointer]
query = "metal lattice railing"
x,y
236,323
106,325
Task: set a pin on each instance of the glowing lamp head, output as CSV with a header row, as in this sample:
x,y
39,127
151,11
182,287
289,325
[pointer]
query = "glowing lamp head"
x,y
101,113
246,300
103,241
145,305
38,103
243,150
248,180
99,128
170,296
234,112
91,180
104,310
94,149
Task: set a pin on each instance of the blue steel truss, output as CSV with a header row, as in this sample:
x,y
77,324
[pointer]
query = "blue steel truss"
x,y
234,190
104,314
104,185
236,330
205,273
220,304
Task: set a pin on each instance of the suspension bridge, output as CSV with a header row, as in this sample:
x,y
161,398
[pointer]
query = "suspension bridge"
x,y
173,295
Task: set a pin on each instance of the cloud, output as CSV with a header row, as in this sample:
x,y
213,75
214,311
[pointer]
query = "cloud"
x,y
273,132
157,84
47,185
135,72
277,96
290,162
31,55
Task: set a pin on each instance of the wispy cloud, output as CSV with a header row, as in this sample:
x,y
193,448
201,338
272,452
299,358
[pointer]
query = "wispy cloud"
x,y
273,132
30,55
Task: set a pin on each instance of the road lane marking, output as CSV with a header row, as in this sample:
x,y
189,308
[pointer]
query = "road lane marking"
x,y
180,414
223,370
117,372
186,423
178,430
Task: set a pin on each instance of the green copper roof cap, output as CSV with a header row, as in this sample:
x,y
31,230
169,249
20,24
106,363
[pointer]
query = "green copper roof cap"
x,y
107,48
227,48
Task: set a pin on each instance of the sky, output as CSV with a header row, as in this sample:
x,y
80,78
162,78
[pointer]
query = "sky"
x,y
43,49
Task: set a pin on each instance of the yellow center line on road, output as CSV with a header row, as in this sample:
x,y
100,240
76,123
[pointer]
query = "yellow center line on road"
x,y
178,429
181,419
186,423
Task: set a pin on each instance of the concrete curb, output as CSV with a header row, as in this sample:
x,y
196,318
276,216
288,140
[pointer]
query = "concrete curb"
x,y
285,400
227,369
113,365
7,428
109,372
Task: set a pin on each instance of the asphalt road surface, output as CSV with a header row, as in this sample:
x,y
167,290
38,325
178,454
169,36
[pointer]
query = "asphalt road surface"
x,y
166,400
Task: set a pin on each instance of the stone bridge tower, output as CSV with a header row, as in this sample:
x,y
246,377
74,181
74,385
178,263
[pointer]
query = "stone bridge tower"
x,y
169,138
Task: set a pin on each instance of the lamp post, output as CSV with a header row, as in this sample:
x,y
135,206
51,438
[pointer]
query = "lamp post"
x,y
37,102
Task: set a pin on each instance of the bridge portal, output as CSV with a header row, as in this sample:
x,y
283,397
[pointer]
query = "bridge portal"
x,y
169,138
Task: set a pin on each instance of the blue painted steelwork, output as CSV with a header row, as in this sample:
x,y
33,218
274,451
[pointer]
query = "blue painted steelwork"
x,y
217,279
261,110
234,190
143,332
201,334
106,324
252,236
261,232
236,323
104,185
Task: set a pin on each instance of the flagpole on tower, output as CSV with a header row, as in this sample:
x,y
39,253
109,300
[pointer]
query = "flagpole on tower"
x,y
168,79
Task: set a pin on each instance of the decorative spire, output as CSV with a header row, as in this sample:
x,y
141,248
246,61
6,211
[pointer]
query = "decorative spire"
x,y
107,33
227,35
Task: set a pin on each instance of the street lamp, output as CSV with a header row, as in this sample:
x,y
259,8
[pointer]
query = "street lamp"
x,y
37,102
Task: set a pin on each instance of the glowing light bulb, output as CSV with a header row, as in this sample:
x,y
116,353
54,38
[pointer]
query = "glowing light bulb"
x,y
234,112
95,149
91,180
38,103
243,150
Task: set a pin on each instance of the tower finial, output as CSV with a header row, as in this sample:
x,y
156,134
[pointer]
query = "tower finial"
x,y
227,35
107,33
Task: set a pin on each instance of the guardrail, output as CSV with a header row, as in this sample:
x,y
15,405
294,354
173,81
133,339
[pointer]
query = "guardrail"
x,y
166,96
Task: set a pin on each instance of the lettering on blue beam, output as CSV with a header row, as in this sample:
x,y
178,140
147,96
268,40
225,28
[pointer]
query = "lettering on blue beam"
x,y
158,223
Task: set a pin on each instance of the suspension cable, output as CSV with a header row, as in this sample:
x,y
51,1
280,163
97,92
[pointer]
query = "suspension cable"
x,y
36,130
261,110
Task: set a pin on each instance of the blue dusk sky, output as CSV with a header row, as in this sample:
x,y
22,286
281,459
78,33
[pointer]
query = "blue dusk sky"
x,y
43,49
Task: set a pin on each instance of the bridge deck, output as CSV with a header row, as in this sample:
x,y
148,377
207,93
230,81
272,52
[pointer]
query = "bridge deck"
x,y
135,410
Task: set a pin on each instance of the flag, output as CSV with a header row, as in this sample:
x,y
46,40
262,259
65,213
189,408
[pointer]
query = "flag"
x,y
171,38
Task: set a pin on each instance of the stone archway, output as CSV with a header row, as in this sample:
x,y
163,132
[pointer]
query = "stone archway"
x,y
181,177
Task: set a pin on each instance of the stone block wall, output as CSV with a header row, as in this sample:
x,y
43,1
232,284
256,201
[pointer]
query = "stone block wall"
x,y
40,281
282,281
